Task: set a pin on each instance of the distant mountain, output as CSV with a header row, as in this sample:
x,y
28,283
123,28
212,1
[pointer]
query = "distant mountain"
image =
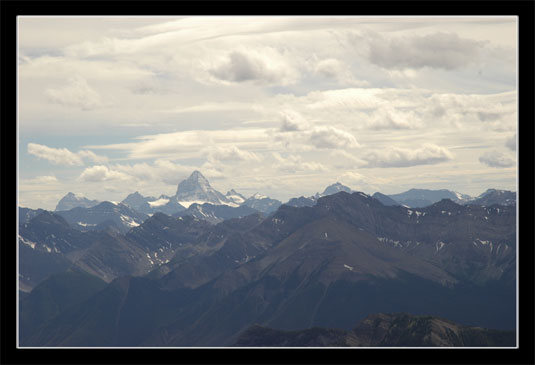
x,y
235,197
493,196
197,189
72,200
103,215
335,188
262,203
385,199
139,202
216,213
382,330
311,201
150,205
302,202
418,198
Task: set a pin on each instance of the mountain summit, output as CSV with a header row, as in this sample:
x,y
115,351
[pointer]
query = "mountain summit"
x,y
197,189
72,200
335,188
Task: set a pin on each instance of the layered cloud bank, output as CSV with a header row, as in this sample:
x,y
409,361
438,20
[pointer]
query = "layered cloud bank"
x,y
283,105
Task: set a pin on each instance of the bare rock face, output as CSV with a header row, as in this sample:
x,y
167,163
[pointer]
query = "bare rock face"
x,y
71,201
336,188
381,330
493,196
405,330
197,189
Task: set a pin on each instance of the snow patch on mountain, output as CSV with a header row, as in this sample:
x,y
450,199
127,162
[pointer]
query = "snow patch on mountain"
x,y
197,189
27,242
129,221
158,203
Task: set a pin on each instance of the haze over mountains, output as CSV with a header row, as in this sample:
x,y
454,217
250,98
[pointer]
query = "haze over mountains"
x,y
200,268
197,189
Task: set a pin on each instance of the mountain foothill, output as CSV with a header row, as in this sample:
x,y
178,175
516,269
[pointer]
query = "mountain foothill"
x,y
201,268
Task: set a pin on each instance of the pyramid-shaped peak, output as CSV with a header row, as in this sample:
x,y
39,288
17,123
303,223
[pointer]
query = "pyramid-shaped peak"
x,y
197,189
71,200
196,175
196,179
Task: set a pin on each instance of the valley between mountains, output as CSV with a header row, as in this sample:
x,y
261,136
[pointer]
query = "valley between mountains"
x,y
202,268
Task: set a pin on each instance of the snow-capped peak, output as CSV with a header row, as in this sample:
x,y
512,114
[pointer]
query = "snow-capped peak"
x,y
197,189
258,196
235,196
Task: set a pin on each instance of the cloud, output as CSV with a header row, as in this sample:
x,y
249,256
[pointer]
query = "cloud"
x,y
488,116
39,180
229,153
92,156
326,137
62,156
329,67
345,159
100,173
496,159
400,157
438,50
161,170
511,143
393,118
266,68
77,94
190,143
346,99
291,122
295,133
293,164
332,68
57,156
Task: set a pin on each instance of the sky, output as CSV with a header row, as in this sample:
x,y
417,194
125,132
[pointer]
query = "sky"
x,y
283,106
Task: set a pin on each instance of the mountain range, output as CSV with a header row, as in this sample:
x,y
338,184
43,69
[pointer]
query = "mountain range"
x,y
197,190
207,273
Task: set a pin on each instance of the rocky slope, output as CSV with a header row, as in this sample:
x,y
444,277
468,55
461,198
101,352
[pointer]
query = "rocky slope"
x,y
328,266
382,330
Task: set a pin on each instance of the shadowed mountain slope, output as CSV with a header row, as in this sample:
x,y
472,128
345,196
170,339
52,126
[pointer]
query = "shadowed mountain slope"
x,y
327,266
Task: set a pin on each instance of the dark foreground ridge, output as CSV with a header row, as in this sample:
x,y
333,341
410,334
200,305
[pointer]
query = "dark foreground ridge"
x,y
382,330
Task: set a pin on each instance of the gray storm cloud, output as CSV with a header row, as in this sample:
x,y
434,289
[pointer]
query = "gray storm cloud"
x,y
428,154
496,159
439,50
242,67
511,143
